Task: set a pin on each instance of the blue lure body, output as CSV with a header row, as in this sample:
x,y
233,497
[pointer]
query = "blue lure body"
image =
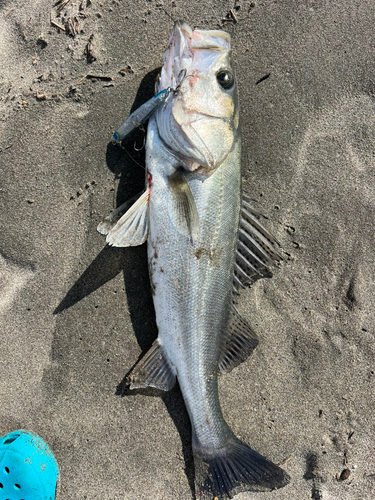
x,y
141,115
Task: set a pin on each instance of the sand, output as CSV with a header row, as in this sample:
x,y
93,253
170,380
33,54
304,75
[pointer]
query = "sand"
x,y
75,316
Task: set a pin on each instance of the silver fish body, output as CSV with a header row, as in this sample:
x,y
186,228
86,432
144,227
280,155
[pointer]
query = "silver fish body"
x,y
192,281
204,241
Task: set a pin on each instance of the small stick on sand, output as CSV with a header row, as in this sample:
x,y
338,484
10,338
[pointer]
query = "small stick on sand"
x,y
7,14
81,80
284,461
233,15
65,2
57,25
100,77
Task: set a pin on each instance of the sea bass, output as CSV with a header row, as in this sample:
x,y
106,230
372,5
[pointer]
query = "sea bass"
x,y
205,241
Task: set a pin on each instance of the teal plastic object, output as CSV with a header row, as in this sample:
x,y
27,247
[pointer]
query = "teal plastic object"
x,y
28,470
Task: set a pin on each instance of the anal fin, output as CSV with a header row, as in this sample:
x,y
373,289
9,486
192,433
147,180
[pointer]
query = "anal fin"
x,y
153,370
111,220
239,343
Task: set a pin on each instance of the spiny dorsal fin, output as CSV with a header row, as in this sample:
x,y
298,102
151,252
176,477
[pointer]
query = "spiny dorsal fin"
x,y
132,229
182,206
257,251
153,370
239,343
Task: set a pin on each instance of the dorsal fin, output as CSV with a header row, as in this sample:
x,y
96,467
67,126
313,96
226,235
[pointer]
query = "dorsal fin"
x,y
153,370
257,251
239,343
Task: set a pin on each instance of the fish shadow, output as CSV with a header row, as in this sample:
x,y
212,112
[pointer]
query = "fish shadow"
x,y
127,164
176,408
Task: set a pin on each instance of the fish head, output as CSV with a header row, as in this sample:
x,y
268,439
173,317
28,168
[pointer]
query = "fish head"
x,y
199,122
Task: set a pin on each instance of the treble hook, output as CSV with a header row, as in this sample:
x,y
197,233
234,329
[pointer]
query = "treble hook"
x,y
144,139
183,71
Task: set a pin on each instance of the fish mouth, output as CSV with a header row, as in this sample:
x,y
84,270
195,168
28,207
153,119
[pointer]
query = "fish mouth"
x,y
179,56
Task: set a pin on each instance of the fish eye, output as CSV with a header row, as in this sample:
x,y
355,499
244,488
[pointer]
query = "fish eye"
x,y
225,79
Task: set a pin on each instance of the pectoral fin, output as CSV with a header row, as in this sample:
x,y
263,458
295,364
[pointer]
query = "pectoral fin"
x,y
239,343
183,210
132,229
153,370
109,222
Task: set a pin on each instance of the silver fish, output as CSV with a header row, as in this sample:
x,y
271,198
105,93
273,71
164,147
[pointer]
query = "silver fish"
x,y
205,241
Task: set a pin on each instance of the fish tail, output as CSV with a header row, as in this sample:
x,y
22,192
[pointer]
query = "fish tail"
x,y
233,469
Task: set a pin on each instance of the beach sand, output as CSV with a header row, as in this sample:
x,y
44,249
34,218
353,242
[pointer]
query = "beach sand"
x,y
75,316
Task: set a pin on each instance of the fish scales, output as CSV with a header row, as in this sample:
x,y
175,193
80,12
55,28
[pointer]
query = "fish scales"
x,y
190,214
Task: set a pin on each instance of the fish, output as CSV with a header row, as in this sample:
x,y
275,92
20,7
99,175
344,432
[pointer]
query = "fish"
x,y
205,242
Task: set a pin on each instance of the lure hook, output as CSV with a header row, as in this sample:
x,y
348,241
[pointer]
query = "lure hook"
x,y
144,139
182,79
130,156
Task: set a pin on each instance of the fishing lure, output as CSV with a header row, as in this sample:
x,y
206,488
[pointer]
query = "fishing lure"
x,y
144,112
141,115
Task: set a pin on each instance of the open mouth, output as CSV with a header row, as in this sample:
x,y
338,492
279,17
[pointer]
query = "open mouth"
x,y
184,51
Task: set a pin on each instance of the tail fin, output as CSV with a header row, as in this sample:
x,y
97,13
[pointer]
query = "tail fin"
x,y
235,469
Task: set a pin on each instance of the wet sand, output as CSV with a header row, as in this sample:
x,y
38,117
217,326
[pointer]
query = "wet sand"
x,y
75,315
